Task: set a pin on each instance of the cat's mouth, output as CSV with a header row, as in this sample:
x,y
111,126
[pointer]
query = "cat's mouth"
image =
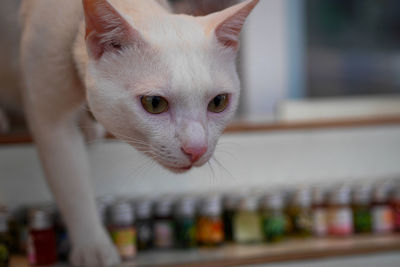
x,y
186,168
179,169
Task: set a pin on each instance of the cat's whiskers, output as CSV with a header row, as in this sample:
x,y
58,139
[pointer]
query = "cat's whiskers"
x,y
136,143
212,175
138,171
223,142
228,145
223,168
130,139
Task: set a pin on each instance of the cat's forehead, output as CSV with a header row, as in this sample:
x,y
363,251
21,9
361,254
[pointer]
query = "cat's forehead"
x,y
186,51
187,58
174,31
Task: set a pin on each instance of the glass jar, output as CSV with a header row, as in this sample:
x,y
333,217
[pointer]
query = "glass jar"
x,y
4,239
300,213
247,221
14,230
144,224
230,206
21,216
164,224
42,244
210,227
273,218
362,216
186,223
63,242
103,208
340,216
122,229
396,208
319,212
382,212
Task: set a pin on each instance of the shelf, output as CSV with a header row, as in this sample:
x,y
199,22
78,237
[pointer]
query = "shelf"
x,y
234,255
247,126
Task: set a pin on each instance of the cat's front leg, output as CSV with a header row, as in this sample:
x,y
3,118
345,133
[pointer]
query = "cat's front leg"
x,y
62,151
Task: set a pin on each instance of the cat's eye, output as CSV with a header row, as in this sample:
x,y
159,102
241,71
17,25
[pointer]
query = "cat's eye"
x,y
219,103
154,104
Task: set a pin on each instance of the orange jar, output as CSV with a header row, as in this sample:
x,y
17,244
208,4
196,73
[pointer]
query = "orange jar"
x,y
210,227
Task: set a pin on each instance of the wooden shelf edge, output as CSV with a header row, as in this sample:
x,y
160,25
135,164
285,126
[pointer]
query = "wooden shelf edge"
x,y
301,254
290,251
313,125
244,126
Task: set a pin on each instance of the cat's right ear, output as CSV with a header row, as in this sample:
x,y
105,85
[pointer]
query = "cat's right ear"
x,y
227,24
106,29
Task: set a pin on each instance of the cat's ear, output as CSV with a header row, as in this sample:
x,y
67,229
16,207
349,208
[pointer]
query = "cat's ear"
x,y
227,24
106,29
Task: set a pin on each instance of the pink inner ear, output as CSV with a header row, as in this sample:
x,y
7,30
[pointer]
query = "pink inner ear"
x,y
106,29
228,31
101,17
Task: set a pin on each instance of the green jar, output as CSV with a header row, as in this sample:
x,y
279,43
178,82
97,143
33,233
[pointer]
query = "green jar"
x,y
273,218
186,223
362,216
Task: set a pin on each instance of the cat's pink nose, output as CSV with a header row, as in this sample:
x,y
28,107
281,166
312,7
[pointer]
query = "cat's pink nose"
x,y
194,153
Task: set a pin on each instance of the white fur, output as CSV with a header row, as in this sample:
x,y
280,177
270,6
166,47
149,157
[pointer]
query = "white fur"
x,y
179,58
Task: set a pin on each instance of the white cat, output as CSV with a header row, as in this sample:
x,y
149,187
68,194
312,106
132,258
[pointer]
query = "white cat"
x,y
164,83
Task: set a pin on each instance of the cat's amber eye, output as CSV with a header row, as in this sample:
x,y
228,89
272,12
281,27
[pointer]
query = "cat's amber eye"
x,y
219,103
154,104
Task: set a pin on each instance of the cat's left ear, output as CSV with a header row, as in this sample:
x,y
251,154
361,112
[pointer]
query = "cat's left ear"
x,y
227,24
106,29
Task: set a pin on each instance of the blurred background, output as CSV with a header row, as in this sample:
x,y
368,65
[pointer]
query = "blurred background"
x,y
308,68
299,53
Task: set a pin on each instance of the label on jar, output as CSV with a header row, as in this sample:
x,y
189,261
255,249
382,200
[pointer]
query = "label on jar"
x,y
125,241
303,223
362,220
320,226
210,231
382,219
163,234
186,232
144,233
274,227
340,221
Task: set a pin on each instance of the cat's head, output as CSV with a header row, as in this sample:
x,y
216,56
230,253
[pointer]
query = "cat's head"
x,y
166,84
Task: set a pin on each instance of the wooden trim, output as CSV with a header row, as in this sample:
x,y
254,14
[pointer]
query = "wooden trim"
x,y
237,255
14,139
296,255
313,125
244,126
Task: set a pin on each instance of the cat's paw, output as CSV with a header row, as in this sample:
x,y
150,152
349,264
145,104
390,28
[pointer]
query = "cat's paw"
x,y
99,253
4,123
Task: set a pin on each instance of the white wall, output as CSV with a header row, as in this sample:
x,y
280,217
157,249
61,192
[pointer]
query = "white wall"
x,y
265,57
253,160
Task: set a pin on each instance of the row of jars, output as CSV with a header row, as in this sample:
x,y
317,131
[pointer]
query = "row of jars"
x,y
187,222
